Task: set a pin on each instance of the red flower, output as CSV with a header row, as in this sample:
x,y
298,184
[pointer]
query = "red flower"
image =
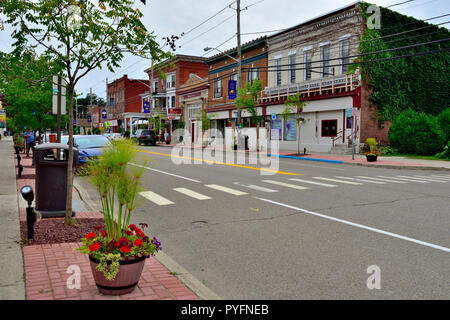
x,y
139,233
94,247
90,235
138,242
104,233
125,249
130,233
132,226
117,244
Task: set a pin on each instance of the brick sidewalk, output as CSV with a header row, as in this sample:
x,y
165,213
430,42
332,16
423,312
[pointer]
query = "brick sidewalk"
x,y
46,267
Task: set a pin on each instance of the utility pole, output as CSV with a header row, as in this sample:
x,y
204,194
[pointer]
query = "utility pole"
x,y
90,107
238,15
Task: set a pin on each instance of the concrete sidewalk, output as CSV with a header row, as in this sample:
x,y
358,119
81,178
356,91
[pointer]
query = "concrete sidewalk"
x,y
12,280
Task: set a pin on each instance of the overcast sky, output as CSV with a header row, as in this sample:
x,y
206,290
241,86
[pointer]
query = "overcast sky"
x,y
166,18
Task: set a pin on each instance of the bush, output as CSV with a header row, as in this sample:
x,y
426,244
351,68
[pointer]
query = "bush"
x,y
446,153
388,151
444,122
416,133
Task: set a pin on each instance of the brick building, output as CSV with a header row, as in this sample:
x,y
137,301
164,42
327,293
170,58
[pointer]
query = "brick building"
x,y
222,68
123,99
164,97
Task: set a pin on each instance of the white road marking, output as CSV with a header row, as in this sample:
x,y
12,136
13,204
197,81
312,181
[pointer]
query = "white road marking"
x,y
338,181
362,180
422,179
287,185
164,172
379,179
225,189
391,234
431,179
440,177
192,193
402,179
314,182
155,198
258,188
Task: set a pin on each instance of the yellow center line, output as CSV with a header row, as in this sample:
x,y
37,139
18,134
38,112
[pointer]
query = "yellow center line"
x,y
224,163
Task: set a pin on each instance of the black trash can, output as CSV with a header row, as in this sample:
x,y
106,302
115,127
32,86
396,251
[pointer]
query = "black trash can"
x,y
51,178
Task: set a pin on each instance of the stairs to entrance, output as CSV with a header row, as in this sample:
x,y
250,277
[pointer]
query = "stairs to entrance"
x,y
341,149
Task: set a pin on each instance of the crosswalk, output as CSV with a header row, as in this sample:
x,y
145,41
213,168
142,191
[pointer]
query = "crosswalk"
x,y
298,184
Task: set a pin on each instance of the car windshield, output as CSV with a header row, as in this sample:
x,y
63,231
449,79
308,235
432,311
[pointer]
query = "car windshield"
x,y
88,142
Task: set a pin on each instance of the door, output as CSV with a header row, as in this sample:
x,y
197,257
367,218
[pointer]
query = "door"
x,y
193,131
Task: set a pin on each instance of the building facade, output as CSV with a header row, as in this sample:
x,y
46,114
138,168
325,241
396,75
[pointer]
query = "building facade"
x,y
123,99
164,98
222,68
312,59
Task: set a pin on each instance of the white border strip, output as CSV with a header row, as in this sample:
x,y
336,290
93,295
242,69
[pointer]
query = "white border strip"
x,y
164,172
394,235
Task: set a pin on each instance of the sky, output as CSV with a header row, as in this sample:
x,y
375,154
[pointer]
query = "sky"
x,y
166,18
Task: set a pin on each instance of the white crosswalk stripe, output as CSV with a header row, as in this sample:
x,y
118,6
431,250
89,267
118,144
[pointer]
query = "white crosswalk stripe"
x,y
156,198
440,177
192,193
287,185
254,187
226,189
403,179
434,178
383,180
338,181
314,182
362,180
422,179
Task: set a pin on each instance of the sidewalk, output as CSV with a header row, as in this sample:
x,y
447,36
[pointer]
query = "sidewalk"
x,y
12,282
40,271
382,162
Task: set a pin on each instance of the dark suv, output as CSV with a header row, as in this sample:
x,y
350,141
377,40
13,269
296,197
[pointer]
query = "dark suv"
x,y
146,137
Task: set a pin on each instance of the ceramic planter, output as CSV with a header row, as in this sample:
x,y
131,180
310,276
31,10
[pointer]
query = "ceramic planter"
x,y
126,279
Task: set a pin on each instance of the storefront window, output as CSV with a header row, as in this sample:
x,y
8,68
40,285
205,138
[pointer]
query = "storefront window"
x,y
329,128
276,127
290,128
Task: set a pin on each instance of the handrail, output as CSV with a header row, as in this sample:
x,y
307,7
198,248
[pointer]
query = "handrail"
x,y
338,136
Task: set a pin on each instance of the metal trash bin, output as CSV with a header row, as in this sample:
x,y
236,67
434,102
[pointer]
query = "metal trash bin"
x,y
51,178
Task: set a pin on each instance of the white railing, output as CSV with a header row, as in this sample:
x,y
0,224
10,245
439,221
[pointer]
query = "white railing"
x,y
342,82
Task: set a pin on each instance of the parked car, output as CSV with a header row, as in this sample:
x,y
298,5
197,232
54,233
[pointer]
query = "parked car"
x,y
145,136
89,146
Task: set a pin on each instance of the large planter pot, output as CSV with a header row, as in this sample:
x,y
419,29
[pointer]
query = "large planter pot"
x,y
126,279
371,157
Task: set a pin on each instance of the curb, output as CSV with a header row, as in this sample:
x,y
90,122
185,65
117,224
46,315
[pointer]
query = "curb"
x,y
186,278
307,159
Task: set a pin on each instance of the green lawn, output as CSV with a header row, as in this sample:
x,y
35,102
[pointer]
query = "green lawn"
x,y
414,156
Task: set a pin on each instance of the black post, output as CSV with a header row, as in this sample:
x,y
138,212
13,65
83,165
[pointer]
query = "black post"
x,y
31,219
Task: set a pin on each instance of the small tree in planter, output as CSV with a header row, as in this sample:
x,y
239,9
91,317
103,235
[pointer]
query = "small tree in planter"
x,y
117,250
372,155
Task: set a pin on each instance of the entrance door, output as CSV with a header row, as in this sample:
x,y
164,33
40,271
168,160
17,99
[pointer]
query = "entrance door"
x,y
193,132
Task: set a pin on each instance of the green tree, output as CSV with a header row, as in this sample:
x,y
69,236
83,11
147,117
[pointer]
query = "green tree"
x,y
444,122
25,83
247,97
80,36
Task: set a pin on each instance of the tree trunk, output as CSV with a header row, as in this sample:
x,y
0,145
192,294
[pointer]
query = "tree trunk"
x,y
257,136
70,160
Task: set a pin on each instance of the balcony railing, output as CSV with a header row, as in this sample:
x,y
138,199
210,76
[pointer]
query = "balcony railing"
x,y
341,83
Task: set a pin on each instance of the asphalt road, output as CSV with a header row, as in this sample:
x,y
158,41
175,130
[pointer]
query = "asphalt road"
x,y
246,235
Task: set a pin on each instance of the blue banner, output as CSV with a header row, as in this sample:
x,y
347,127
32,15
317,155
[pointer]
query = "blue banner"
x,y
104,114
89,119
146,106
232,89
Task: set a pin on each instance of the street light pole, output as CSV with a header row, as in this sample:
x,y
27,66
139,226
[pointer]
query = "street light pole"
x,y
239,63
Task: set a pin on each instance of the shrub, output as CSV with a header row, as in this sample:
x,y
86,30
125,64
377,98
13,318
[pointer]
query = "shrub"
x,y
416,133
388,151
444,123
446,153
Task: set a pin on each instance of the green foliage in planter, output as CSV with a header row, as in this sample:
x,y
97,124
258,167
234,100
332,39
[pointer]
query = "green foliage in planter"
x,y
444,122
109,272
416,133
414,82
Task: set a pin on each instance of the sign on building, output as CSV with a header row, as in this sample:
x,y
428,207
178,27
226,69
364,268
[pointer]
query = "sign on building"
x,y
59,95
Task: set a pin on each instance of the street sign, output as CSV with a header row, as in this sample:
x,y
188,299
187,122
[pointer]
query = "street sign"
x,y
59,95
107,124
355,112
348,112
274,116
232,89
